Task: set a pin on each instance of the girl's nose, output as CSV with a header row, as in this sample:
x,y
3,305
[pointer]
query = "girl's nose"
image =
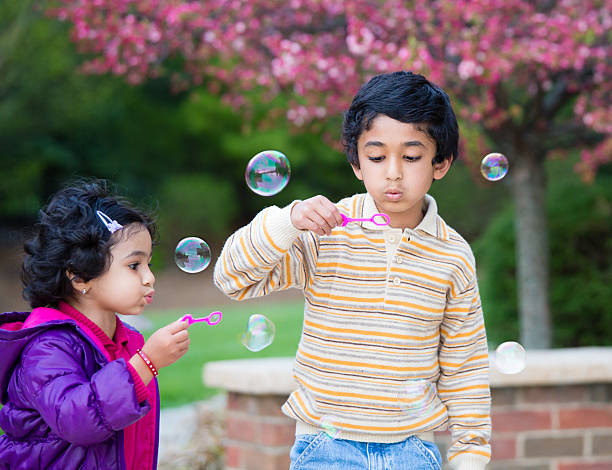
x,y
149,278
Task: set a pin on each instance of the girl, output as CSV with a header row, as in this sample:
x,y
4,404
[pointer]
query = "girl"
x,y
77,384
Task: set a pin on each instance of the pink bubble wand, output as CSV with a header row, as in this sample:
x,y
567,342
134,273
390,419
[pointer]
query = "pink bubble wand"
x,y
213,319
346,219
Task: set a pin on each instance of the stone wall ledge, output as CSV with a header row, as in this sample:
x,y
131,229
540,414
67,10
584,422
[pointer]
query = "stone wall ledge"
x,y
264,376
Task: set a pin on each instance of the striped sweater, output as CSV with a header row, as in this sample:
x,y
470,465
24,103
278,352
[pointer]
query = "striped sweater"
x,y
384,308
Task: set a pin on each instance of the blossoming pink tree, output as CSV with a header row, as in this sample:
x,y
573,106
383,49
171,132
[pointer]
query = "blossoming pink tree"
x,y
533,76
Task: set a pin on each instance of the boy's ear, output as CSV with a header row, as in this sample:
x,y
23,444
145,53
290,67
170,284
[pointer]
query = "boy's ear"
x,y
440,169
357,172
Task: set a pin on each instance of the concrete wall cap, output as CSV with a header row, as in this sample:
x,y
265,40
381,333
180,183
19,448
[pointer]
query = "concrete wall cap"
x,y
273,375
542,367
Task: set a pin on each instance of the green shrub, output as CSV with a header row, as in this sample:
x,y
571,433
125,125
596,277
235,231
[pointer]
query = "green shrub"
x,y
580,234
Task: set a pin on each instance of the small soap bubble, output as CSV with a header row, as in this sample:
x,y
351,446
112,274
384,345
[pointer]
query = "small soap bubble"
x,y
259,333
192,255
510,357
267,173
327,424
416,396
494,166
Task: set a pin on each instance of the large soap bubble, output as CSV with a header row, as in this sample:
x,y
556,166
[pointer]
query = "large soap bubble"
x,y
267,173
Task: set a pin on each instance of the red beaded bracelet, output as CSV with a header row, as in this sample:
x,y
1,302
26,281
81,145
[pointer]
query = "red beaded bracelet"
x,y
148,362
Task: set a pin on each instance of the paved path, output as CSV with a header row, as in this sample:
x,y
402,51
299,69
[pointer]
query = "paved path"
x,y
179,426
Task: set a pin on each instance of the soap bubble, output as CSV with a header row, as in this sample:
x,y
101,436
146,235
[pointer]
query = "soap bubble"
x,y
267,173
510,357
416,396
494,166
328,426
259,333
192,255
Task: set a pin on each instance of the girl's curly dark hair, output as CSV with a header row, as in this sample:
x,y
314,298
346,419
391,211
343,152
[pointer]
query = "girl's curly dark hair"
x,y
69,236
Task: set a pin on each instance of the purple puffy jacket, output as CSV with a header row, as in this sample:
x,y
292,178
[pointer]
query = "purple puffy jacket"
x,y
65,404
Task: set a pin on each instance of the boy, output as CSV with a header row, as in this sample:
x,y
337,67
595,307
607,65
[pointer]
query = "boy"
x,y
393,344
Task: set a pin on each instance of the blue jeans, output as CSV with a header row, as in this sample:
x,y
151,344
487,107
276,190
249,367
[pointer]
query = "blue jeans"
x,y
319,451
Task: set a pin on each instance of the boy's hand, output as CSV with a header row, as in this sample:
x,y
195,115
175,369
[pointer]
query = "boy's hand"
x,y
168,344
317,214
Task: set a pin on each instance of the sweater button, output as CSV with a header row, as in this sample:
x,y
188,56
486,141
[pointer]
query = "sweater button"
x,y
396,281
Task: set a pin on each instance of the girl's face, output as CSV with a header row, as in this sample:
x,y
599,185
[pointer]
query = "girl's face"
x,y
127,286
396,167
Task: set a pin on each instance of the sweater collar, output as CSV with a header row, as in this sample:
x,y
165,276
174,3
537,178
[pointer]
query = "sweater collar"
x,y
431,224
121,336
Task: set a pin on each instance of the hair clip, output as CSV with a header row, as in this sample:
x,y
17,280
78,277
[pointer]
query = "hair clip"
x,y
111,225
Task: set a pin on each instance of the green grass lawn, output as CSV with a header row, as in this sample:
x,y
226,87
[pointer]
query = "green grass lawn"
x,y
181,382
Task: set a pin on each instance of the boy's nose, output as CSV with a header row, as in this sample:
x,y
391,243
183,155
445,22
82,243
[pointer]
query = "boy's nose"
x,y
394,170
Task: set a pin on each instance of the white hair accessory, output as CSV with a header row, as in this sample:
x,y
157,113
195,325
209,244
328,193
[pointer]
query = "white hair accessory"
x,y
111,225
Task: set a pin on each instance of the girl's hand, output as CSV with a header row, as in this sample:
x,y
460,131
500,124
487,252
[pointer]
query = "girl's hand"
x,y
317,214
168,344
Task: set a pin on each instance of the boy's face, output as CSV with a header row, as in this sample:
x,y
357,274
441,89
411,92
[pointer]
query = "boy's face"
x,y
395,165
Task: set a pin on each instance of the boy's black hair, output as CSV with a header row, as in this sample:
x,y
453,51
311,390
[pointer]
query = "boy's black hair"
x,y
405,97
71,237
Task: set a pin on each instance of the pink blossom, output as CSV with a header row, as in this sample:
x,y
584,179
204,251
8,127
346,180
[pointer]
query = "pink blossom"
x,y
323,50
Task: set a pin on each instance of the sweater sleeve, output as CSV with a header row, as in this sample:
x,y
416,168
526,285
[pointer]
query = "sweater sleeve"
x,y
80,409
269,254
464,381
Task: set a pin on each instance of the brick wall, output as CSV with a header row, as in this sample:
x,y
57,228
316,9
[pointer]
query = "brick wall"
x,y
258,435
564,427
556,415
534,428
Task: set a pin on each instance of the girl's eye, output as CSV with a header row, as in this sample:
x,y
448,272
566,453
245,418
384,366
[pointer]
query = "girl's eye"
x,y
133,266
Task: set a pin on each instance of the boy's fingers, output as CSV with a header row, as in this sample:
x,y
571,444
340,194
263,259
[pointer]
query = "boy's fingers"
x,y
329,212
338,216
321,222
315,226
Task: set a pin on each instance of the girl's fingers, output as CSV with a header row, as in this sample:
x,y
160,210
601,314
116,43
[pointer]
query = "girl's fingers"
x,y
181,340
177,326
181,336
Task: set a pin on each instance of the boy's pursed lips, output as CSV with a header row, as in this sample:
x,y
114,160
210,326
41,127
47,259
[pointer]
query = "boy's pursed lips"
x,y
393,194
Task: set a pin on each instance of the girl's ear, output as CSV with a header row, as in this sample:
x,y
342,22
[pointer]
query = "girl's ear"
x,y
78,284
440,169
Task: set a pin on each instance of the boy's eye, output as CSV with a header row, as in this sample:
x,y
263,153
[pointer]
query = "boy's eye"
x,y
376,159
411,159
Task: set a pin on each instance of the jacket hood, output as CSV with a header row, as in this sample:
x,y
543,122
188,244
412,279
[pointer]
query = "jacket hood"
x,y
16,331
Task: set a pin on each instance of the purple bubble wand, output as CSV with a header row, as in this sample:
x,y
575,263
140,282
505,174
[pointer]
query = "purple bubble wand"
x,y
213,319
346,219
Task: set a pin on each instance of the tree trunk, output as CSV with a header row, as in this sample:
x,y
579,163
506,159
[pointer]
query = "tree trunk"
x,y
528,178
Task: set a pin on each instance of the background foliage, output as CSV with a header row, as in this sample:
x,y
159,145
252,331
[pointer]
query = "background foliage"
x,y
183,154
581,262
